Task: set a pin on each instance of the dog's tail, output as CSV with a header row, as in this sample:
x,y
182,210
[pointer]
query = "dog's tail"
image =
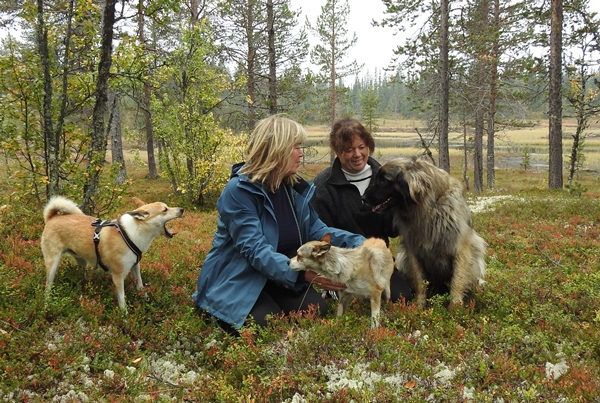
x,y
478,258
59,205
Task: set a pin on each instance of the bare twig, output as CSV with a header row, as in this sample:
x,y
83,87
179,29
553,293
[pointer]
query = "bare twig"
x,y
545,254
425,146
14,327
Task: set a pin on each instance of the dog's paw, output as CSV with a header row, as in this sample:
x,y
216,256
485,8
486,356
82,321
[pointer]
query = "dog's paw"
x,y
420,301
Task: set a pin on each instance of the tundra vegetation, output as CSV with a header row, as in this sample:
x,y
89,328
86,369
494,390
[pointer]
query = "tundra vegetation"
x,y
530,334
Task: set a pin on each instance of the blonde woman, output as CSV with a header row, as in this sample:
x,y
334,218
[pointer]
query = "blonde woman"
x,y
264,216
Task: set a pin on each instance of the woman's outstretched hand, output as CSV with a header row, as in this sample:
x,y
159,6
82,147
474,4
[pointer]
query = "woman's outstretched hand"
x,y
323,282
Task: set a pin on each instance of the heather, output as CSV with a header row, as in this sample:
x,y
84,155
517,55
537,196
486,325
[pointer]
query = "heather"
x,y
529,335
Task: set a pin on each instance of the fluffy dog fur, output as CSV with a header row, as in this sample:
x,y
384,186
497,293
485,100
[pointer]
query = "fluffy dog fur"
x,y
68,230
365,270
441,250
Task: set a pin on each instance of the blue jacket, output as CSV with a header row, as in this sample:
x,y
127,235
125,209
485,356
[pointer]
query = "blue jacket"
x,y
244,249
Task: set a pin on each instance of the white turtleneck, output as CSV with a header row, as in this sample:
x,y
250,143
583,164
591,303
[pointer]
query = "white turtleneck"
x,y
361,180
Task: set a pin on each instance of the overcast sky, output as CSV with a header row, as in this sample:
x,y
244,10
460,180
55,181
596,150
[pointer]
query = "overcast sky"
x,y
375,45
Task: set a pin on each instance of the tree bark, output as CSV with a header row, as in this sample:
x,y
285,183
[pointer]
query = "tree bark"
x,y
272,98
491,127
50,138
251,60
478,146
97,152
575,151
116,137
555,168
444,157
465,154
482,66
145,101
152,169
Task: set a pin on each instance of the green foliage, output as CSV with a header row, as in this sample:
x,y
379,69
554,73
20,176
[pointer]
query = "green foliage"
x,y
23,141
370,102
274,81
583,96
576,188
196,152
331,31
328,54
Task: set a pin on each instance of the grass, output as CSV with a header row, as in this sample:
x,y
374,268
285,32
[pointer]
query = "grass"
x,y
399,137
530,335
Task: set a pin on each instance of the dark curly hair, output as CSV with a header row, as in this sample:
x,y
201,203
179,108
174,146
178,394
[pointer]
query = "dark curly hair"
x,y
340,138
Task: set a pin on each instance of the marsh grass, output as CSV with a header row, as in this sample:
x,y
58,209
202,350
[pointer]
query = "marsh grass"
x,y
529,335
399,137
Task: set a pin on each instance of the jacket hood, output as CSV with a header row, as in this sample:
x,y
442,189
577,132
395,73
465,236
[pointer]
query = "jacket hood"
x,y
235,169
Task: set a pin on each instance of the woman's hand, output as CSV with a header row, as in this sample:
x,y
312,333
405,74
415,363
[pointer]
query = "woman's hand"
x,y
322,282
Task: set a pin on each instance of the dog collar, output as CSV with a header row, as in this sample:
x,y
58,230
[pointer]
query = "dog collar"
x,y
129,242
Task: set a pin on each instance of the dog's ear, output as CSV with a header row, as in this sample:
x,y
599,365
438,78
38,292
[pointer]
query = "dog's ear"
x,y
138,203
402,184
326,238
137,214
320,250
412,181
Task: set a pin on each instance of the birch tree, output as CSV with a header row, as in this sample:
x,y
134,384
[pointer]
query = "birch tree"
x,y
49,87
97,151
583,90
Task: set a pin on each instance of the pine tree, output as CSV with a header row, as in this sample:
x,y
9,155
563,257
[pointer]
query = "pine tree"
x,y
332,34
259,40
370,102
555,168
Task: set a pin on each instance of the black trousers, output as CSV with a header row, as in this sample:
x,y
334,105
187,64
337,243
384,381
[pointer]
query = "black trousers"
x,y
399,287
275,299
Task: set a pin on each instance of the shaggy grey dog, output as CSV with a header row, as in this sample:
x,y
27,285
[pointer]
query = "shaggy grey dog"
x,y
441,250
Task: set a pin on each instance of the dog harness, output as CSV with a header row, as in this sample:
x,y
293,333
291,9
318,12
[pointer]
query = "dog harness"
x,y
99,224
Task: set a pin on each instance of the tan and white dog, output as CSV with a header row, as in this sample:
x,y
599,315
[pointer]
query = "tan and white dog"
x,y
365,270
116,246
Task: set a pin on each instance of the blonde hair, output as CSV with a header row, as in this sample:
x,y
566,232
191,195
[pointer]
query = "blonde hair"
x,y
269,150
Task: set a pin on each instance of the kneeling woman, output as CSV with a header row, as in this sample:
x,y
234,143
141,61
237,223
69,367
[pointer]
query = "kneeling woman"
x,y
264,217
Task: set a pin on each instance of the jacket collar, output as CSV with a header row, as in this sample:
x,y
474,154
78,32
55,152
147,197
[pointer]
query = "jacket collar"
x,y
337,177
302,186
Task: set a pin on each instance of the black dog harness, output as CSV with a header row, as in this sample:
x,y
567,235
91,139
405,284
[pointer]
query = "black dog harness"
x,y
99,224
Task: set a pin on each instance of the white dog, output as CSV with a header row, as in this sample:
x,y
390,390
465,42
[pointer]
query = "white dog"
x,y
365,270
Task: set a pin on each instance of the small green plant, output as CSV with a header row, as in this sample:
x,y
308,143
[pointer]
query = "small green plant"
x,y
576,188
526,161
